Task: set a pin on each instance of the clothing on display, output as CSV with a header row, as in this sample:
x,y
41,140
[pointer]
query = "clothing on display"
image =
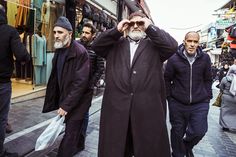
x,y
39,58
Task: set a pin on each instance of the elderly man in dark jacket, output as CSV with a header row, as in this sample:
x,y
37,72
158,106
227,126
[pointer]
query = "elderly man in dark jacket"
x,y
133,114
67,85
188,82
10,45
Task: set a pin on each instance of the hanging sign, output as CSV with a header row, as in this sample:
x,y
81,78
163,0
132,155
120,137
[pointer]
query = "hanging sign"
x,y
223,23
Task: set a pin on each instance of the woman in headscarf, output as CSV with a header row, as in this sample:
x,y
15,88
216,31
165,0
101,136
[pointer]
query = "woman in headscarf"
x,y
228,104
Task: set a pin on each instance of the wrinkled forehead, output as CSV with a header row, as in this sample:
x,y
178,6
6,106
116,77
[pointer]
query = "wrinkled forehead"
x,y
192,36
136,18
60,29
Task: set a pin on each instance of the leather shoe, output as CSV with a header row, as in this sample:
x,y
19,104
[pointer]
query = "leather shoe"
x,y
189,153
8,128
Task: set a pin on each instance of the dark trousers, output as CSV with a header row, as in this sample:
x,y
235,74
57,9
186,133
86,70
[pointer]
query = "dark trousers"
x,y
70,143
83,131
188,125
5,98
89,97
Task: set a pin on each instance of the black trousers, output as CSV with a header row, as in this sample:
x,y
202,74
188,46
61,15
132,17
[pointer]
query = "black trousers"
x,y
70,143
188,125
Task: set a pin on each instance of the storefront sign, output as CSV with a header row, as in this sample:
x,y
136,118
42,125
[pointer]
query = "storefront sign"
x,y
223,23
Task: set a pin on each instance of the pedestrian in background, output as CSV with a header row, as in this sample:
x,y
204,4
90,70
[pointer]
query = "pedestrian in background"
x,y
96,69
228,100
133,113
10,46
188,80
214,71
223,72
67,85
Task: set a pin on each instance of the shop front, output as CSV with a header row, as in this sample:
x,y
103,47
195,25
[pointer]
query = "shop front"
x,y
34,21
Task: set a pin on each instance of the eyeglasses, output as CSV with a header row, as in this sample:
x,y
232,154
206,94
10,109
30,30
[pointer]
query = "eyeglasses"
x,y
138,23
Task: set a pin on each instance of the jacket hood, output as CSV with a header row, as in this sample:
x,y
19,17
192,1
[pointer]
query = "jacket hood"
x,y
3,17
181,50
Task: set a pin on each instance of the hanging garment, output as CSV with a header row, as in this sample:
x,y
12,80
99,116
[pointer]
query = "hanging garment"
x,y
39,50
11,13
50,13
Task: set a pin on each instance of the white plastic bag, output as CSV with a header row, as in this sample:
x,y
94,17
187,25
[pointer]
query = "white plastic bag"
x,y
49,135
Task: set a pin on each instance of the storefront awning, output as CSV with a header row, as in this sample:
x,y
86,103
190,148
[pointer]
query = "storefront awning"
x,y
207,49
227,4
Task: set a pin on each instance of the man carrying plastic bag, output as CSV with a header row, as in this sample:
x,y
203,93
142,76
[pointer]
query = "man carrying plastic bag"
x,y
67,85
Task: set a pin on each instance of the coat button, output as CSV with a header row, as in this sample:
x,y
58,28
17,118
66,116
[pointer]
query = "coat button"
x,y
134,72
131,94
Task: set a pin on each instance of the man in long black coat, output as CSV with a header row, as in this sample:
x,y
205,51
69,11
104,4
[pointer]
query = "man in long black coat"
x,y
133,114
67,85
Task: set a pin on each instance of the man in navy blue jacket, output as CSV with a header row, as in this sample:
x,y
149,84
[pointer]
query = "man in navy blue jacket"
x,y
188,85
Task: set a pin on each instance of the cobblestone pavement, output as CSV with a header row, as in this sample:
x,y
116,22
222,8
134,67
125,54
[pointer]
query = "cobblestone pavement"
x,y
216,143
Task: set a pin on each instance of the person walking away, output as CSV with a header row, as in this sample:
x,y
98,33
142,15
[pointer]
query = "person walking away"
x,y
228,102
96,69
188,81
133,113
67,85
10,46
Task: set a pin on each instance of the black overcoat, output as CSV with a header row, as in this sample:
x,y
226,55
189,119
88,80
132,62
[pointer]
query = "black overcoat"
x,y
135,92
71,94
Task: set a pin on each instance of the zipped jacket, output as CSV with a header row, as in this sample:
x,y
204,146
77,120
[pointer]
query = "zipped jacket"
x,y
186,83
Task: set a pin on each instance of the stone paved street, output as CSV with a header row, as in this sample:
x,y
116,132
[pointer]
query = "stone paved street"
x,y
216,143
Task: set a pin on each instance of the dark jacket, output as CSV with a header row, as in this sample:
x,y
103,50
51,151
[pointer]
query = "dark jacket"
x,y
10,45
97,65
189,84
74,83
222,73
134,93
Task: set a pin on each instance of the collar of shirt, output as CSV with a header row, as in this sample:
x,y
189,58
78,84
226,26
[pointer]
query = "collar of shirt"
x,y
191,59
133,48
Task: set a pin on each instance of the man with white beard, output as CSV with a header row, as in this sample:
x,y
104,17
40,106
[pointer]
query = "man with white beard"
x,y
133,114
67,85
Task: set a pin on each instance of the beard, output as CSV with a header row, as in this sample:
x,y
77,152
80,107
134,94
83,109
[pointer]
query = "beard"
x,y
136,35
84,41
61,43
